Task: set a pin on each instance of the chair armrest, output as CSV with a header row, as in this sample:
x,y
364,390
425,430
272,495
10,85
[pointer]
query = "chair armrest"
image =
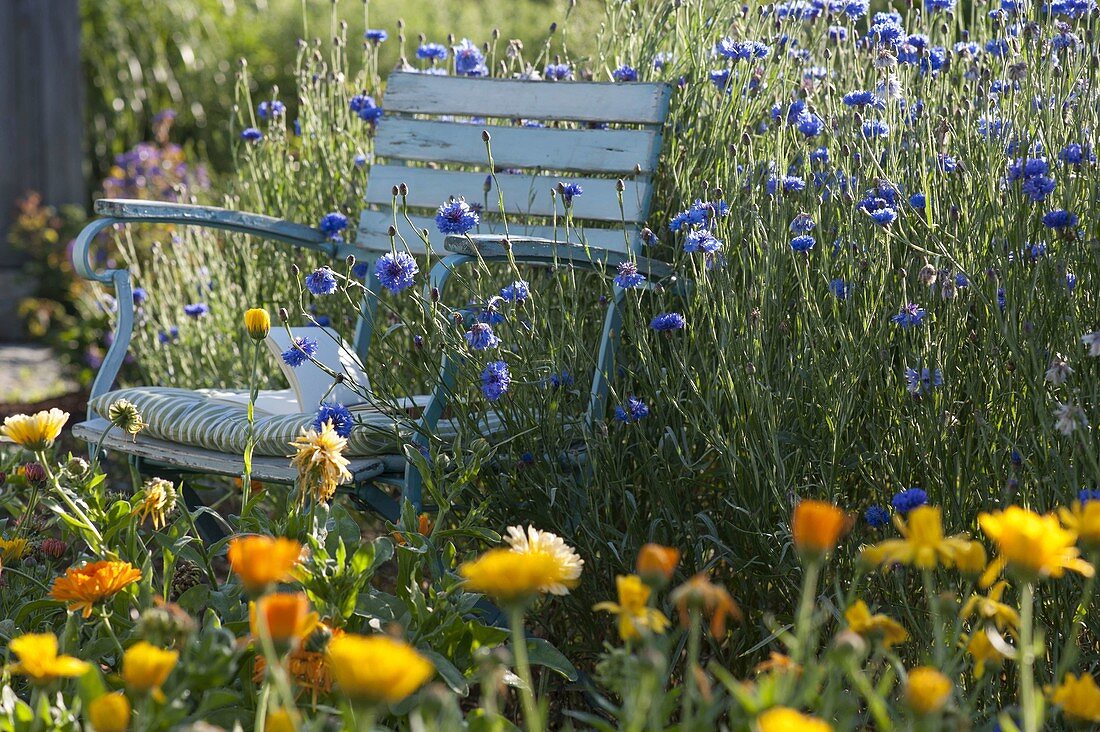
x,y
533,250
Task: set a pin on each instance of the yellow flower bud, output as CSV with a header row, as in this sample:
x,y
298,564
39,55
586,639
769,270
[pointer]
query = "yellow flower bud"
x,y
110,713
258,323
927,690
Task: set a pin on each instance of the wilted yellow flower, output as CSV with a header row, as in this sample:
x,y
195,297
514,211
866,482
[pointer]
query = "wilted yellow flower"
x,y
1079,698
989,609
262,560
657,563
258,323
320,462
146,667
1083,519
633,609
817,526
35,432
377,667
508,575
11,549
125,415
701,594
84,586
927,690
1032,546
923,546
110,712
157,500
533,541
309,668
982,650
778,662
38,659
785,719
861,621
286,616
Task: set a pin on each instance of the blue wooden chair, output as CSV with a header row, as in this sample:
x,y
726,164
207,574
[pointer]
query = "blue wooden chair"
x,y
594,134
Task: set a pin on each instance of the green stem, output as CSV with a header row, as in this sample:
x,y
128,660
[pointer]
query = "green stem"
x,y
804,631
253,390
1070,649
111,632
1027,658
928,580
695,634
531,716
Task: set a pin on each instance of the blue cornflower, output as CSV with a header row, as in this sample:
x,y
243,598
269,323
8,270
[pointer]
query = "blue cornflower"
x,y
1086,495
859,98
558,72
919,382
271,109
564,380
1002,298
720,78
961,280
431,52
469,60
251,134
365,107
140,295
495,380
875,128
788,184
667,322
820,155
877,517
840,289
359,270
810,125
1076,154
1038,187
376,35
625,73
322,281
332,224
338,415
634,410
1071,281
700,214
918,201
908,499
300,351
359,161
169,336
518,291
396,271
480,337
1060,219
661,60
803,243
940,5
884,216
568,191
910,315
856,9
628,276
196,310
456,217
947,163
838,33
802,223
996,47
886,32
701,240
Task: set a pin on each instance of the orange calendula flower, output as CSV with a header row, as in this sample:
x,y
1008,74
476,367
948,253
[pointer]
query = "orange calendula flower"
x,y
785,719
1032,546
635,615
39,659
699,593
657,563
779,663
817,527
861,621
377,668
927,690
1079,698
924,546
285,616
989,609
261,561
84,586
1083,519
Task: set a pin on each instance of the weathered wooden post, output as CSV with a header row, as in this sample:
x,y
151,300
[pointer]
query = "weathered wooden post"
x,y
41,123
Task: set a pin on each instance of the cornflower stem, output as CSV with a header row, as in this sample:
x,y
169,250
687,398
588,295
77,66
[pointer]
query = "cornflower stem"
x,y
98,547
695,634
531,715
1028,708
929,582
1069,649
803,633
250,439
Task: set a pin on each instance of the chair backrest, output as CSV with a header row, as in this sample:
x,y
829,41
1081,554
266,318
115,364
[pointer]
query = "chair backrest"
x,y
542,132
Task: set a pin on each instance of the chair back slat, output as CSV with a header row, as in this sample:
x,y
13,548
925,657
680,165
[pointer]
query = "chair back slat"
x,y
524,195
597,151
580,101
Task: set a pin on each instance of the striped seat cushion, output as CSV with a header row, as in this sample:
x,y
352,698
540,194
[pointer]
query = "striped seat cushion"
x,y
210,420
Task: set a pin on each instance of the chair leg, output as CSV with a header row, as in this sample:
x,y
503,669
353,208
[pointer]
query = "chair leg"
x,y
373,499
209,530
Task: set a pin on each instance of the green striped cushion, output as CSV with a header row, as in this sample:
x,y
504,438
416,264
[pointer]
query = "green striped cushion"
x,y
194,418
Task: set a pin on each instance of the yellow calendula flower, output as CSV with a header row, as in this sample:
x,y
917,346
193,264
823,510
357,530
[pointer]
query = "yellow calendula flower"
x,y
817,527
258,323
1032,546
635,615
157,500
110,713
657,563
1083,519
146,667
699,593
982,650
785,719
39,659
927,690
507,575
35,432
377,668
320,461
12,549
84,586
261,561
924,546
286,617
861,621
1079,698
988,608
533,541
280,720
